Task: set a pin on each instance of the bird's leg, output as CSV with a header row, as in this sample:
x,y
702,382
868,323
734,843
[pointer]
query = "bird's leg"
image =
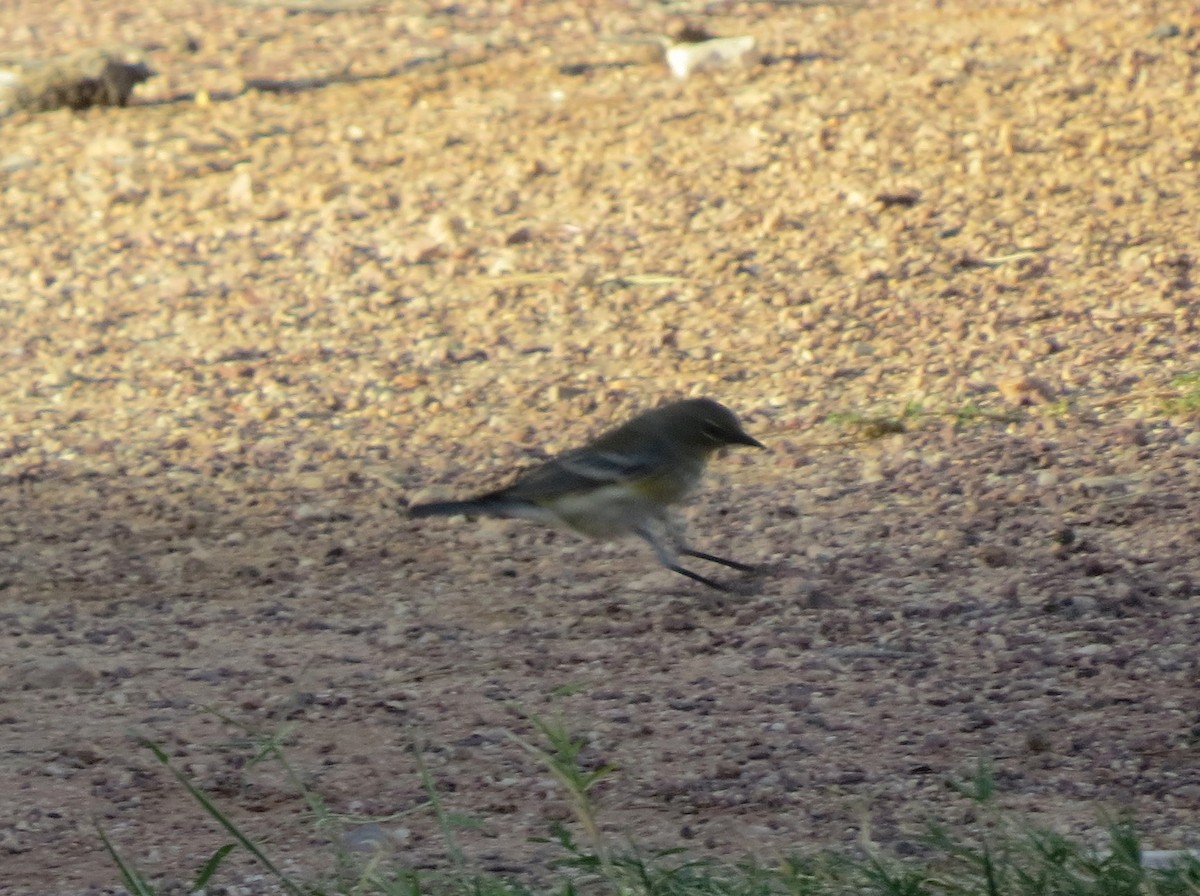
x,y
713,558
675,532
667,559
695,576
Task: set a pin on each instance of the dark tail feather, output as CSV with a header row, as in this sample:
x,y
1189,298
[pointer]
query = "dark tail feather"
x,y
447,508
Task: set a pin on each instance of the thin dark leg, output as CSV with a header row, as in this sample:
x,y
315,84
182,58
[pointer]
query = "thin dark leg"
x,y
667,559
696,577
713,558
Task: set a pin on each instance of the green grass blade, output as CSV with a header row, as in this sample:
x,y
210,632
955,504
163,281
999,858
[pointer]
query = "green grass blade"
x,y
211,866
134,882
223,820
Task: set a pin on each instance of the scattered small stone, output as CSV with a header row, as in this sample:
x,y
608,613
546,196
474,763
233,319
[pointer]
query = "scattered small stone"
x,y
995,555
1166,858
1025,390
907,199
51,673
373,838
687,57
15,161
1083,603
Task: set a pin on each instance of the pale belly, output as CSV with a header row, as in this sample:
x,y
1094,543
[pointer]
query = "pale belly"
x,y
606,512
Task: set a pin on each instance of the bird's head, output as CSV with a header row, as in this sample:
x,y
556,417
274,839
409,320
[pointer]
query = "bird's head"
x,y
705,425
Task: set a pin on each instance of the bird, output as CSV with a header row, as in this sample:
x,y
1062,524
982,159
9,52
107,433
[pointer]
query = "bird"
x,y
625,482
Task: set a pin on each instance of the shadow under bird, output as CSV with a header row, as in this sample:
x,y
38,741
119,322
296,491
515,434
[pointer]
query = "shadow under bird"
x,y
623,483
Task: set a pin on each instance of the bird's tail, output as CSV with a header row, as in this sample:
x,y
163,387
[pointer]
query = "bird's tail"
x,y
454,508
443,508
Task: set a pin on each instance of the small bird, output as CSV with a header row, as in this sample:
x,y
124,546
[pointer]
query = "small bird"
x,y
623,483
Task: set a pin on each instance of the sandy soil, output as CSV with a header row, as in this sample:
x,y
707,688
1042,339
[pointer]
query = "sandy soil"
x,y
431,244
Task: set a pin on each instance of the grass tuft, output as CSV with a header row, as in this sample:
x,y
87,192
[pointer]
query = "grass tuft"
x,y
1187,402
994,855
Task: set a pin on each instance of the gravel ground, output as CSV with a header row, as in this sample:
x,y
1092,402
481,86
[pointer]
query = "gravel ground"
x,y
326,263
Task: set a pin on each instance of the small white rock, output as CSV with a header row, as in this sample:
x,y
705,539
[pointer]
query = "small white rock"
x,y
720,52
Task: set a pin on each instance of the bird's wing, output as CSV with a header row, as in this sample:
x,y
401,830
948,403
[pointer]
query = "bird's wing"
x,y
576,471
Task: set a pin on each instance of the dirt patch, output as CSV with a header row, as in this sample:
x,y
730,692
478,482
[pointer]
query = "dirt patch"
x,y
941,262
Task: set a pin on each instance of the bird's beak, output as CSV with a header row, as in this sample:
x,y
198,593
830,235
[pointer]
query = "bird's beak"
x,y
745,439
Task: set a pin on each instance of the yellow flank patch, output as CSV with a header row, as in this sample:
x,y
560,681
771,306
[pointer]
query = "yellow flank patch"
x,y
663,489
